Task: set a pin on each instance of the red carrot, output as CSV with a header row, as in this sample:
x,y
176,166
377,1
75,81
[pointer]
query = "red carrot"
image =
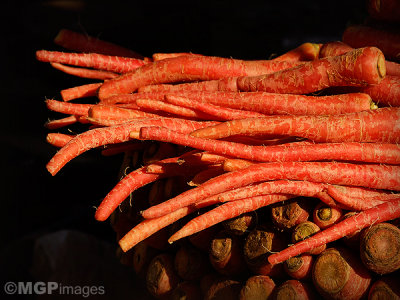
x,y
224,212
212,111
58,139
350,151
233,164
148,227
379,125
103,112
299,267
112,135
68,108
380,213
63,122
387,41
206,174
386,93
325,216
304,52
131,98
195,68
82,91
367,175
117,64
294,289
337,48
84,72
160,56
358,67
257,287
80,42
305,230
289,214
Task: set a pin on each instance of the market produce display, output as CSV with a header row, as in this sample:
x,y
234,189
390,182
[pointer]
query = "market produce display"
x,y
245,179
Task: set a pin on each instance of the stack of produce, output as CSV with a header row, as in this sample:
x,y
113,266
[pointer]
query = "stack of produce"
x,y
271,178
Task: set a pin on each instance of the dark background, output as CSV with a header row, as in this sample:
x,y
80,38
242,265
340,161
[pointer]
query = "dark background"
x,y
33,202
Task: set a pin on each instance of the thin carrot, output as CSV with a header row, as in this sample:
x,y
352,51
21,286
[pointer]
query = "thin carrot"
x,y
345,151
82,91
386,93
233,164
206,174
224,212
377,214
103,112
112,135
63,122
117,64
358,67
68,108
362,35
160,56
379,125
365,175
58,139
84,72
196,68
304,52
82,42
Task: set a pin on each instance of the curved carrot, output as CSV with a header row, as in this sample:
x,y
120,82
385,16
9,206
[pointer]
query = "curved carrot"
x,y
84,72
379,125
365,175
377,214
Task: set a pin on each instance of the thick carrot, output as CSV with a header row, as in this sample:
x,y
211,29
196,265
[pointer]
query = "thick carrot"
x,y
187,290
367,175
81,42
385,287
324,216
117,64
224,212
337,48
299,267
294,289
104,112
82,91
377,214
191,263
223,288
362,36
386,93
304,52
289,214
379,248
171,70
358,67
349,151
379,125
84,72
305,230
241,224
257,287
68,108
112,135
339,274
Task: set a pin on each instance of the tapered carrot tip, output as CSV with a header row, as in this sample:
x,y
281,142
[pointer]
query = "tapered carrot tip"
x,y
380,248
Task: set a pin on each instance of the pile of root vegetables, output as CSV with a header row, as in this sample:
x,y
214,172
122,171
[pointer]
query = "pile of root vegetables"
x,y
275,178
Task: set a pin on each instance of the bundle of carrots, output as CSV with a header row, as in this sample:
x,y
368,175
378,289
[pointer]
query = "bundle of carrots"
x,y
310,138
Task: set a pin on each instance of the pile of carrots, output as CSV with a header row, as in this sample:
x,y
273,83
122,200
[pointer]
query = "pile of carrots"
x,y
276,177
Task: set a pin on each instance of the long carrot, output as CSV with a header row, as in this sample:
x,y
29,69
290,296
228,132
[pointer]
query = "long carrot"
x,y
63,122
365,175
224,212
187,68
377,214
82,91
358,67
84,72
117,64
68,108
58,139
379,125
350,151
112,135
81,42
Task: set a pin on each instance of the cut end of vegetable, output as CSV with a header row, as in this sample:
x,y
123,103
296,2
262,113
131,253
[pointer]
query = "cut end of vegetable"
x,y
135,135
381,66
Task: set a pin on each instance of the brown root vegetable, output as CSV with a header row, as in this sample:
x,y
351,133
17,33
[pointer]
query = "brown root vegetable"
x,y
288,214
299,267
226,256
224,289
258,245
324,215
241,224
161,278
186,290
380,248
142,255
386,287
191,263
339,274
295,290
257,287
303,231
